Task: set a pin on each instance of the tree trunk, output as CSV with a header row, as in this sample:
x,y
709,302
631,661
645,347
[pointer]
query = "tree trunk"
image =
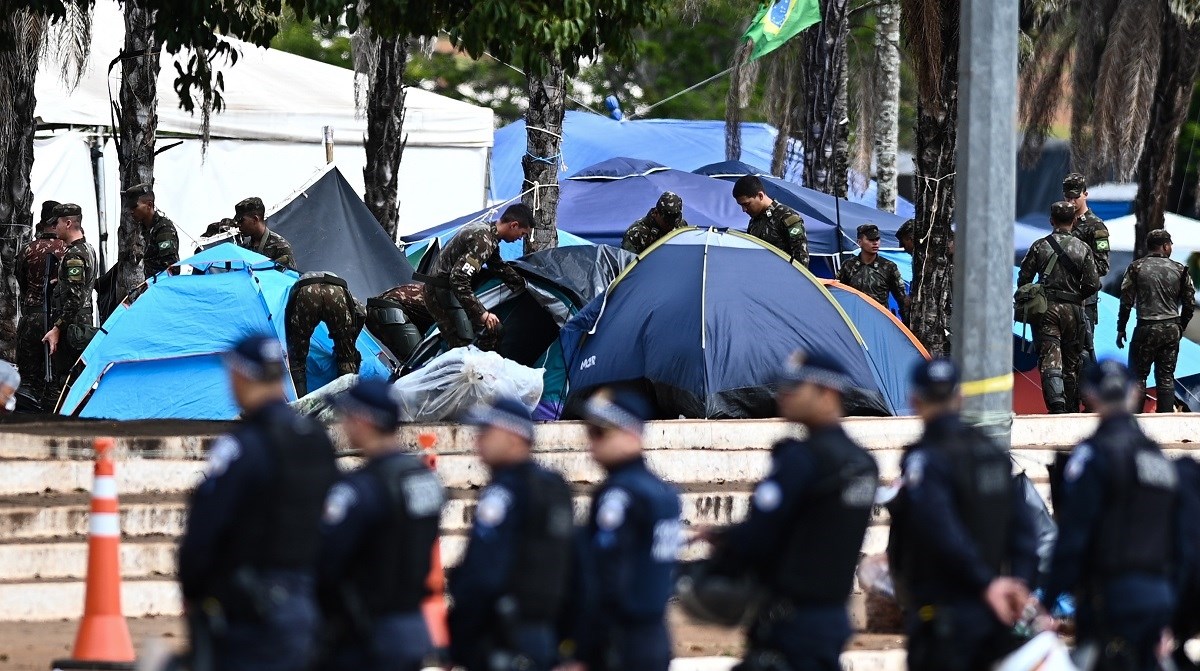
x,y
22,34
384,143
543,133
1172,96
138,125
937,135
887,102
826,128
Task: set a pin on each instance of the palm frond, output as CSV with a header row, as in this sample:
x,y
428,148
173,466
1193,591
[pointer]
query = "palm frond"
x,y
1186,12
921,28
1043,87
1090,39
742,79
1128,76
25,32
68,43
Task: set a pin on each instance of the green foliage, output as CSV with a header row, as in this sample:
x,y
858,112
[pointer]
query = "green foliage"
x,y
484,82
304,37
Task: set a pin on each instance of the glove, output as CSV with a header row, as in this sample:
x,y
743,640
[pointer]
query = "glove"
x,y
1120,340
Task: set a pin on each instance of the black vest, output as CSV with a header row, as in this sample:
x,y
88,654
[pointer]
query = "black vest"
x,y
1137,529
542,569
983,488
818,560
279,527
388,571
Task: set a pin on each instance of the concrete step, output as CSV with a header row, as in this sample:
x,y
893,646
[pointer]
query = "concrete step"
x,y
63,600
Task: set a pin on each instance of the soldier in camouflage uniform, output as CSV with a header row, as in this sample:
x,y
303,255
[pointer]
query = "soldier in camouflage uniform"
x,y
1163,293
73,327
411,298
35,263
771,221
250,217
449,295
161,239
1091,230
666,215
904,235
872,274
1068,280
322,297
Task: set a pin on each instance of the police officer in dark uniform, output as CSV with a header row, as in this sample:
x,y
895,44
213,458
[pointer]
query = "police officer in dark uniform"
x,y
1119,517
380,527
248,555
963,548
633,536
508,590
806,525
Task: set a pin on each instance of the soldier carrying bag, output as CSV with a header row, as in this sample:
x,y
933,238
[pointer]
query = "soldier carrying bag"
x,y
1031,300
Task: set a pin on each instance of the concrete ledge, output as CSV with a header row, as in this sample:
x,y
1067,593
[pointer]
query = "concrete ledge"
x,y
69,560
38,602
854,660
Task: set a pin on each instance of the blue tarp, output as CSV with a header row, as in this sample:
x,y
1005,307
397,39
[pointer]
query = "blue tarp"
x,y
602,201
160,357
712,344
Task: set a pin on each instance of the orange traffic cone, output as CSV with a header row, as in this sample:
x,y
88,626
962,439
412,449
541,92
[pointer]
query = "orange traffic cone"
x,y
103,641
434,606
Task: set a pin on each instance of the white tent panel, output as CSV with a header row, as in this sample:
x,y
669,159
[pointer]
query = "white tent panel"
x,y
1185,234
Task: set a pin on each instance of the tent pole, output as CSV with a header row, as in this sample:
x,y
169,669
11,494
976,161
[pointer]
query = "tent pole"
x,y
985,190
327,133
97,153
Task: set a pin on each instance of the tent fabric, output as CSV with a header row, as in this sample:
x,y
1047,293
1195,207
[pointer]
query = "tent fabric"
x,y
735,169
582,272
160,358
509,251
894,350
711,346
331,229
266,140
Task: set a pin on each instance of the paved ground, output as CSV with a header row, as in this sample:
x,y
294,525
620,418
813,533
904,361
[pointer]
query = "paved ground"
x,y
31,646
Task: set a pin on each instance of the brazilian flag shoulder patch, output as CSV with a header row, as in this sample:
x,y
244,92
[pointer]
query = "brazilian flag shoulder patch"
x,y
1102,245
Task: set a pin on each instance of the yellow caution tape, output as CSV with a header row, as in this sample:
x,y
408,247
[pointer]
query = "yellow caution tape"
x,y
988,386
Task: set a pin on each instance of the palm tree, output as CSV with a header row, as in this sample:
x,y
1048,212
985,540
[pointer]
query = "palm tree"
x,y
27,36
381,62
886,101
824,117
1133,65
543,129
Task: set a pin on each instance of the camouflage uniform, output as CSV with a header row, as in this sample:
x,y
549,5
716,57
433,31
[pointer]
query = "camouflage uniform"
x,y
1162,291
1091,230
646,231
876,279
412,298
449,288
1060,331
31,278
73,313
316,298
162,246
783,227
273,246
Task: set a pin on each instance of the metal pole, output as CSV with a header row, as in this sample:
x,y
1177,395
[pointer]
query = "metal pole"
x,y
985,191
327,133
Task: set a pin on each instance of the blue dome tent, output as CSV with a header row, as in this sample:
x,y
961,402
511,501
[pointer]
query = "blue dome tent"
x,y
160,357
704,319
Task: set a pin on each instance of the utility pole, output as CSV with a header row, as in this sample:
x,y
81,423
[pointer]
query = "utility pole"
x,y
986,189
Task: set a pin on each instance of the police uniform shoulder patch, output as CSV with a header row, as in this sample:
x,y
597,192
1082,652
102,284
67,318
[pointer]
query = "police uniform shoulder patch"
x,y
914,469
493,506
1078,462
767,496
610,514
338,502
224,451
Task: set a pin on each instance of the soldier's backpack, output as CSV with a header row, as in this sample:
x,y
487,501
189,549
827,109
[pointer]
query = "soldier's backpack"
x,y
1030,302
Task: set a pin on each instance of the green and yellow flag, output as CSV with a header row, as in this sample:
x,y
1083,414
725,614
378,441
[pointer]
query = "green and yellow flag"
x,y
780,21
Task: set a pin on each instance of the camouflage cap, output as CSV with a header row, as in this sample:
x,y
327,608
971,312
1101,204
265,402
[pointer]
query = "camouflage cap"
x,y
868,231
139,190
670,206
1074,185
1158,237
251,205
67,210
1062,212
906,229
48,208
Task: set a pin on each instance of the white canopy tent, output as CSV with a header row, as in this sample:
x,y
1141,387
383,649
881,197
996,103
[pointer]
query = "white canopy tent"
x,y
1185,234
266,142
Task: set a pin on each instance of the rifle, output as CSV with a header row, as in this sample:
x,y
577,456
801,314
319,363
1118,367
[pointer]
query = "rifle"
x,y
46,321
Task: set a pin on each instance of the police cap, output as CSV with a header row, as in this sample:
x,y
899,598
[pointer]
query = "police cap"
x,y
623,409
1074,185
47,217
935,380
868,231
1108,379
670,206
505,413
1062,212
1157,238
815,367
372,399
258,357
251,205
67,210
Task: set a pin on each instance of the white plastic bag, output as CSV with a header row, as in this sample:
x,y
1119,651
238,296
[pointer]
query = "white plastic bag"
x,y
1044,652
319,403
462,378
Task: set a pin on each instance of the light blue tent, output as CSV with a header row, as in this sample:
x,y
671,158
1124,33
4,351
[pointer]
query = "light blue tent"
x,y
160,357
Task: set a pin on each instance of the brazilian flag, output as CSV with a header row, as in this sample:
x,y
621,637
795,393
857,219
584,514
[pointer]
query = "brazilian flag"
x,y
780,21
